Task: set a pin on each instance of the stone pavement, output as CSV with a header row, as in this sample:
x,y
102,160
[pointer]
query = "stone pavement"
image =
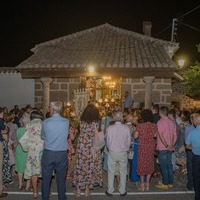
x,y
178,192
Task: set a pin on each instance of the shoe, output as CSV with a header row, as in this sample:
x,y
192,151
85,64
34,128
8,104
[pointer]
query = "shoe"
x,y
123,195
170,186
3,194
162,186
190,188
108,194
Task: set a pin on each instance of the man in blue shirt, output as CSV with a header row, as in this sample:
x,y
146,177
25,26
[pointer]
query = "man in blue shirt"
x,y
54,132
193,142
128,101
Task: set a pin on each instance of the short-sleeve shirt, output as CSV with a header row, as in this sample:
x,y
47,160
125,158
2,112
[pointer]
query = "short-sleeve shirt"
x,y
167,128
128,102
193,139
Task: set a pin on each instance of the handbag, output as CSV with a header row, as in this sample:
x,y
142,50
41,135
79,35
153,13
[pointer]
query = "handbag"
x,y
24,141
98,139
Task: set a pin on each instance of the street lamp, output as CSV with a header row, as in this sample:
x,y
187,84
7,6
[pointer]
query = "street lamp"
x,y
181,62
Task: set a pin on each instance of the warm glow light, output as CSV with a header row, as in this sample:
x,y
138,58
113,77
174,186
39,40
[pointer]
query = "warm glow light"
x,y
69,104
100,100
91,69
106,100
107,105
97,105
112,100
181,62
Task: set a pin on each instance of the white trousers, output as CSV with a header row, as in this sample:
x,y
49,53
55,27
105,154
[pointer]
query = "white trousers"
x,y
122,160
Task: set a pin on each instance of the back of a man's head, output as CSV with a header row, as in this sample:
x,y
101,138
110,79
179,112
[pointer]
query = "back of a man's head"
x,y
118,116
164,111
56,106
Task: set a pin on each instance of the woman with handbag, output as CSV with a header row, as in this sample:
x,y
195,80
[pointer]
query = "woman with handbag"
x,y
88,164
31,142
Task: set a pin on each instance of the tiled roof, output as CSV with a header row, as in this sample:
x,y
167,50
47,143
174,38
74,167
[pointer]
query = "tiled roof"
x,y
104,46
8,70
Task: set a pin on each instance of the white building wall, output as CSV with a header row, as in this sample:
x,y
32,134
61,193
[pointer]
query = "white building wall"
x,y
16,91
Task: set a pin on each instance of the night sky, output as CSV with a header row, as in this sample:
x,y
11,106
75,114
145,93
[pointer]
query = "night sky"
x,y
23,24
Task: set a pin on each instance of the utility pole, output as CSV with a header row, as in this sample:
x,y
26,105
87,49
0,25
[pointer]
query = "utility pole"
x,y
174,29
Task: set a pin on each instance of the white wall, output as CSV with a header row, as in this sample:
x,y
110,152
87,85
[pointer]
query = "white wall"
x,y
16,91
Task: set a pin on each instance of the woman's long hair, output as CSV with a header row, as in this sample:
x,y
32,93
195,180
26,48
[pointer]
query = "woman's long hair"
x,y
90,114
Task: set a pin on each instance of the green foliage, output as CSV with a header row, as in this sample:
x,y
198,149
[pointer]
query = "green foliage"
x,y
192,78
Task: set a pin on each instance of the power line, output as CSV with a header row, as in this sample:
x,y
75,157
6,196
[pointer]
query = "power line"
x,y
189,12
187,25
167,27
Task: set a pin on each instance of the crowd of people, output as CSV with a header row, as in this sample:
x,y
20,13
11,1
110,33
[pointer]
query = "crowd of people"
x,y
139,144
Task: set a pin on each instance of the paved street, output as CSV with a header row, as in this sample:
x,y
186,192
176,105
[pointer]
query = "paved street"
x,y
178,192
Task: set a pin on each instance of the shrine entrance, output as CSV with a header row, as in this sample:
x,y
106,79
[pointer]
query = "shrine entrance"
x,y
105,92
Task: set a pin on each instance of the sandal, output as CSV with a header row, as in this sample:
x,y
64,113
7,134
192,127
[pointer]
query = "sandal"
x,y
147,186
87,192
35,195
141,188
27,189
77,193
20,188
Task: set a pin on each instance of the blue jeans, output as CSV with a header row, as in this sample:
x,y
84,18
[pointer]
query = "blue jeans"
x,y
165,160
54,160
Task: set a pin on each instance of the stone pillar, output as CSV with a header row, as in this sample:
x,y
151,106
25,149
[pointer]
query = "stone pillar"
x,y
148,90
46,93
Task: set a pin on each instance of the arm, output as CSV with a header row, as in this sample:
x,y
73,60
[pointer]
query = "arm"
x,y
136,135
188,146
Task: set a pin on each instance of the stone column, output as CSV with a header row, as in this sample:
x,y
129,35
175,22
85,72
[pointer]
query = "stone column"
x,y
46,92
148,90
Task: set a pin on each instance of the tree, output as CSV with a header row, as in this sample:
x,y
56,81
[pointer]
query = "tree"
x,y
192,78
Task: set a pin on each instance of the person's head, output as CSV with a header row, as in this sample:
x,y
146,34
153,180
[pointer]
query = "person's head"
x,y
185,115
35,115
5,110
90,114
55,107
28,108
1,112
126,94
25,120
155,108
196,119
164,111
147,115
172,114
10,117
16,107
118,116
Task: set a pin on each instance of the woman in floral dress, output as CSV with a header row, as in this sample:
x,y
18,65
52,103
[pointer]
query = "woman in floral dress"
x,y
88,165
70,151
35,149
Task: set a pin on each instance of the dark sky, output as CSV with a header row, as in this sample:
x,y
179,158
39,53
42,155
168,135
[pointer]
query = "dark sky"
x,y
25,23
